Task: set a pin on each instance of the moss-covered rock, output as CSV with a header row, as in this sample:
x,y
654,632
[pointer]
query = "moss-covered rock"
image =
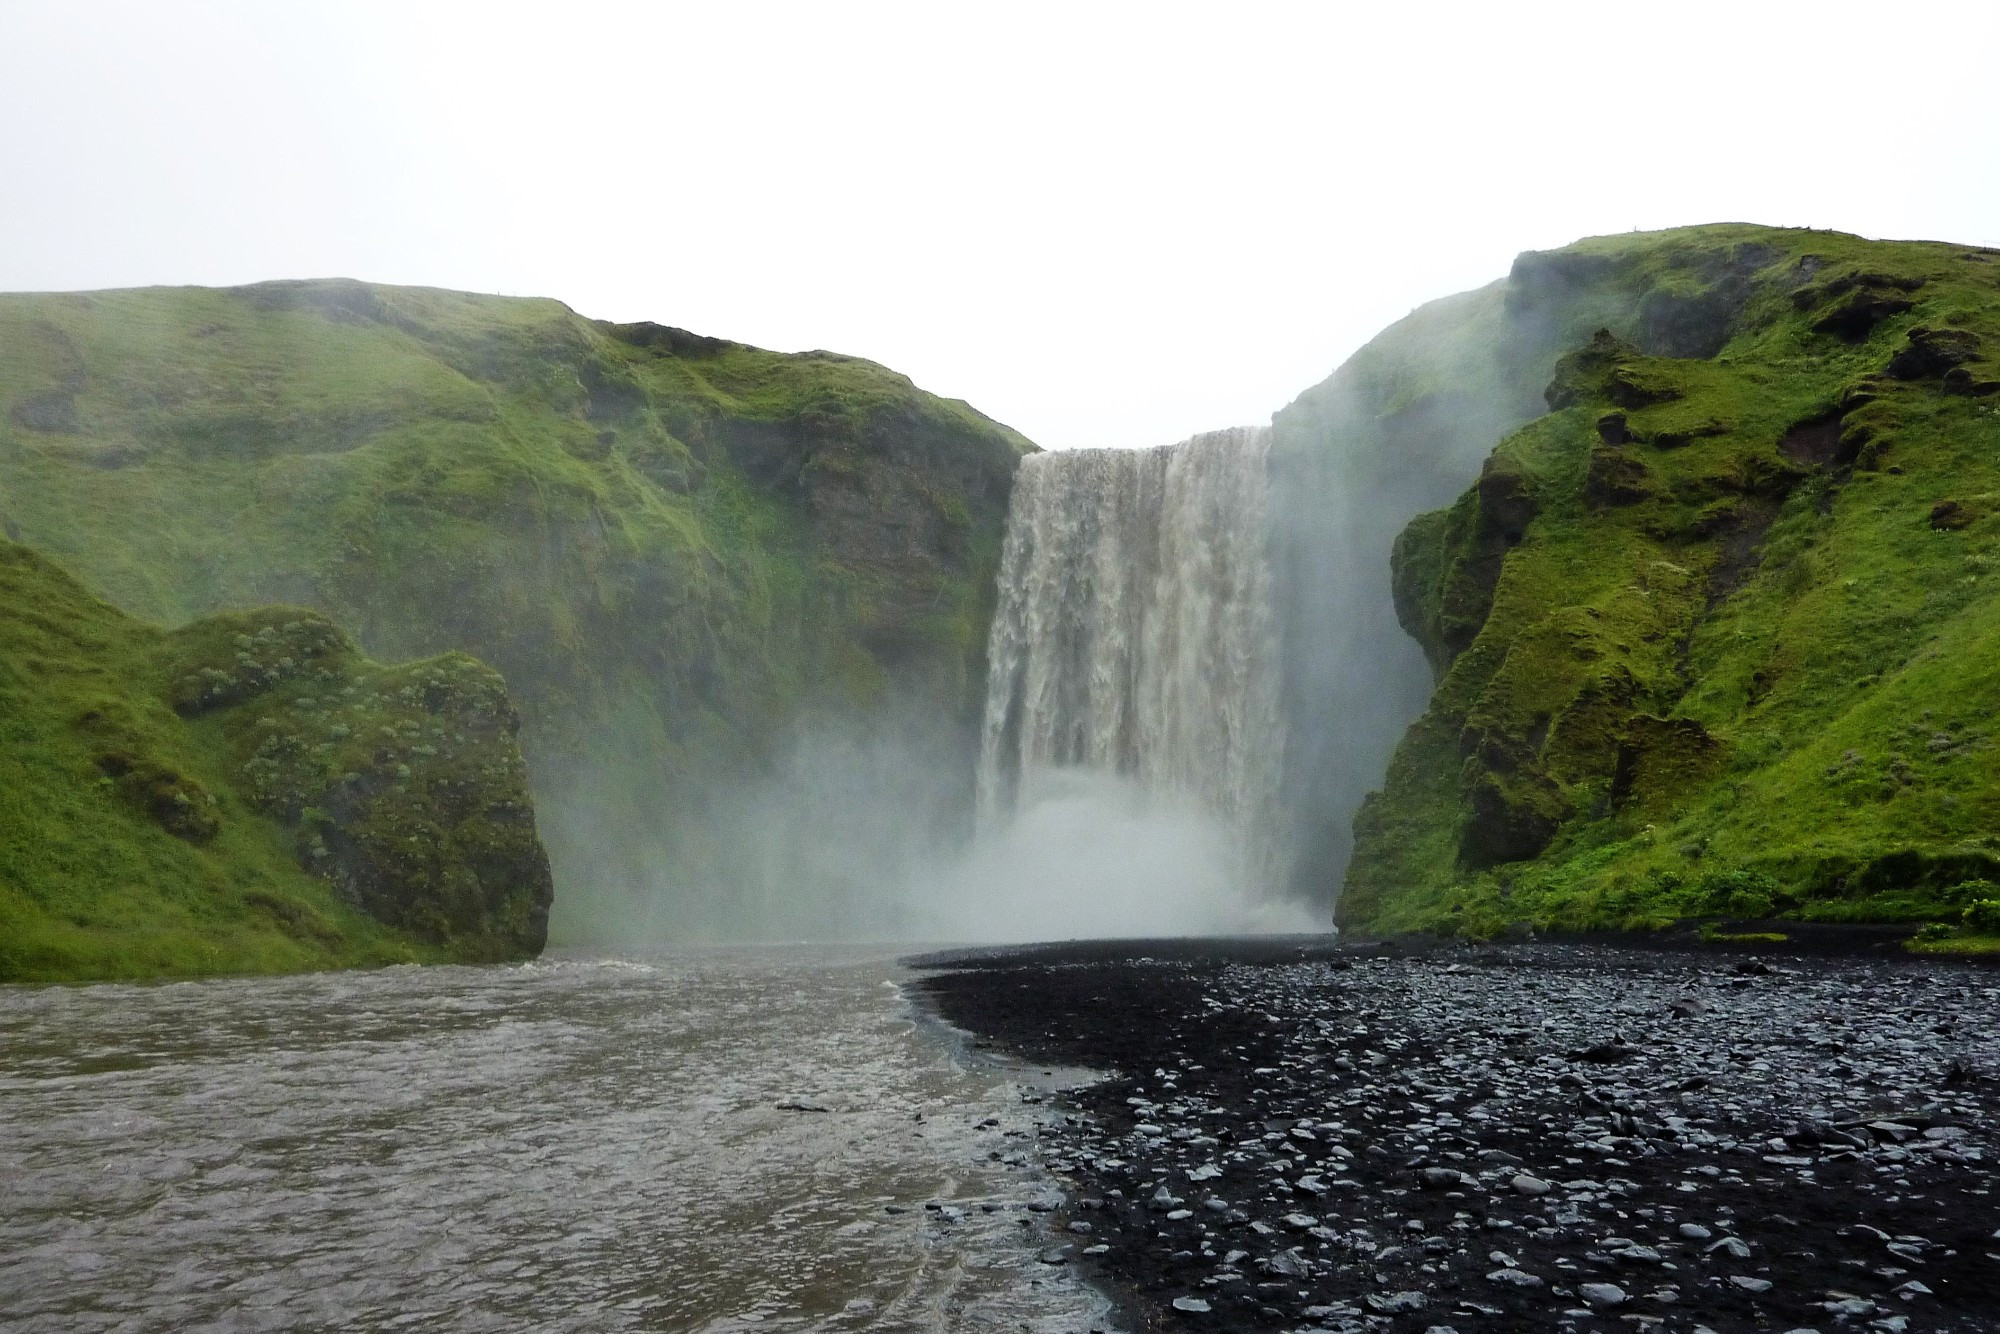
x,y
673,547
1737,661
248,793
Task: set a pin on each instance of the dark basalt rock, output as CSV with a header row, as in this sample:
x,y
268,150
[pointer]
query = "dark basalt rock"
x,y
1932,352
1631,386
1507,500
1616,478
1511,817
1864,301
1580,374
1856,316
1816,440
1961,380
1949,515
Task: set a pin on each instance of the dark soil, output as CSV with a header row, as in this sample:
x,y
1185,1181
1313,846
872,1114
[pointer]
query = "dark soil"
x,y
1572,1136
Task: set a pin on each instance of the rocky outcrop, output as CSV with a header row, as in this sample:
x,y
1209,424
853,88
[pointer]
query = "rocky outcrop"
x,y
246,794
1729,640
403,787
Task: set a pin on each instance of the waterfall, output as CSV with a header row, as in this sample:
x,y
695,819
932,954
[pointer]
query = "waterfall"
x,y
1135,636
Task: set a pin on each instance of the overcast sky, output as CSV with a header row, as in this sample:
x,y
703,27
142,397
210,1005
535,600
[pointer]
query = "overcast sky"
x,y
1102,224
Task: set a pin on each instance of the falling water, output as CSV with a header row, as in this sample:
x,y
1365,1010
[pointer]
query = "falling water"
x,y
1135,636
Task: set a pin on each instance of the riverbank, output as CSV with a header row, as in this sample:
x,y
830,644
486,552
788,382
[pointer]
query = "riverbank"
x,y
1535,1136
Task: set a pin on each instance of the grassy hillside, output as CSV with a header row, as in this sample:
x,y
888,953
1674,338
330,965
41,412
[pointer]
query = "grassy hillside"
x,y
1400,428
1715,633
247,794
674,548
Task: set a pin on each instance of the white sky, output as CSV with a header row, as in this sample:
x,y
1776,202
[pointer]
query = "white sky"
x,y
1101,224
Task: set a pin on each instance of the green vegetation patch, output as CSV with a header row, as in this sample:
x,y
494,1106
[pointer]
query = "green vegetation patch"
x,y
671,546
1716,635
247,794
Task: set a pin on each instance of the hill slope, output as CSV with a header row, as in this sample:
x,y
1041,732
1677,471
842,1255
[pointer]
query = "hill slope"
x,y
1716,633
247,793
683,554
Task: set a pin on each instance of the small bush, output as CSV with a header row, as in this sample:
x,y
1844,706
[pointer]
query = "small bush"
x,y
1968,892
1983,916
1740,893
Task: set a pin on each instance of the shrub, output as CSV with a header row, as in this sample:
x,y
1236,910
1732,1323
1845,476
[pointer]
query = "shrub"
x,y
1968,892
1983,915
1740,893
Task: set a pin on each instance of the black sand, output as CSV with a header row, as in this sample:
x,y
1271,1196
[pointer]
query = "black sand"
x,y
1539,1136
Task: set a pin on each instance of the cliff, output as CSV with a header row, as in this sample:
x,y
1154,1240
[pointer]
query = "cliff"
x,y
1714,632
248,793
690,559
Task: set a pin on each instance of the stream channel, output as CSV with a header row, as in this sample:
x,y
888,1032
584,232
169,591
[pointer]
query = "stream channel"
x,y
701,1140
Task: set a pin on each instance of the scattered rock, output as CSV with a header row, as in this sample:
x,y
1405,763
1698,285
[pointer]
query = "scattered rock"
x,y
1776,1129
803,1105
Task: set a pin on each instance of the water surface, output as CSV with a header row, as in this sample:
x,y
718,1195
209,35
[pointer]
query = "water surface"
x,y
577,1143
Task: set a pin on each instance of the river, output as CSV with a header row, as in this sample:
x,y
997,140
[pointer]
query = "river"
x,y
571,1144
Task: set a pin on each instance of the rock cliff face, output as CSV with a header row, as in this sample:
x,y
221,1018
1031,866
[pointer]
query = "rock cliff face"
x,y
685,555
248,793
1714,631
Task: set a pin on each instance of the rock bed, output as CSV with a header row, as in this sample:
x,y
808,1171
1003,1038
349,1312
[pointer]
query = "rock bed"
x,y
1530,1137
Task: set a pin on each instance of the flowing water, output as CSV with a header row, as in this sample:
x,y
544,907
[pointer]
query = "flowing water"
x,y
573,1144
1135,634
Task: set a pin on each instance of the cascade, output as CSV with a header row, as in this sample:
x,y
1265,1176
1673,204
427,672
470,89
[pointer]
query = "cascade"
x,y
1135,635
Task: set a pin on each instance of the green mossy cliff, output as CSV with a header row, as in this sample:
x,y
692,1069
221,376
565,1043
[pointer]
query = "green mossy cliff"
x,y
1718,633
675,548
247,793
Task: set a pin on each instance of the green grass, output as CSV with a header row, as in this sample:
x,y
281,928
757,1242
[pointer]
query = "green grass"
x,y
1711,671
1966,945
671,547
146,831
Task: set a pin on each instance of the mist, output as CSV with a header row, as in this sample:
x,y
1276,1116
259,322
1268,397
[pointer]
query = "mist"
x,y
1090,854
863,831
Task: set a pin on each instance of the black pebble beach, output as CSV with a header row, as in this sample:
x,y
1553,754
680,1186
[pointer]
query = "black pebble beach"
x,y
1301,1135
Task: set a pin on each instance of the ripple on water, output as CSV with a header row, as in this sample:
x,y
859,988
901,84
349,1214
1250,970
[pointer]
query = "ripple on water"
x,y
575,1143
